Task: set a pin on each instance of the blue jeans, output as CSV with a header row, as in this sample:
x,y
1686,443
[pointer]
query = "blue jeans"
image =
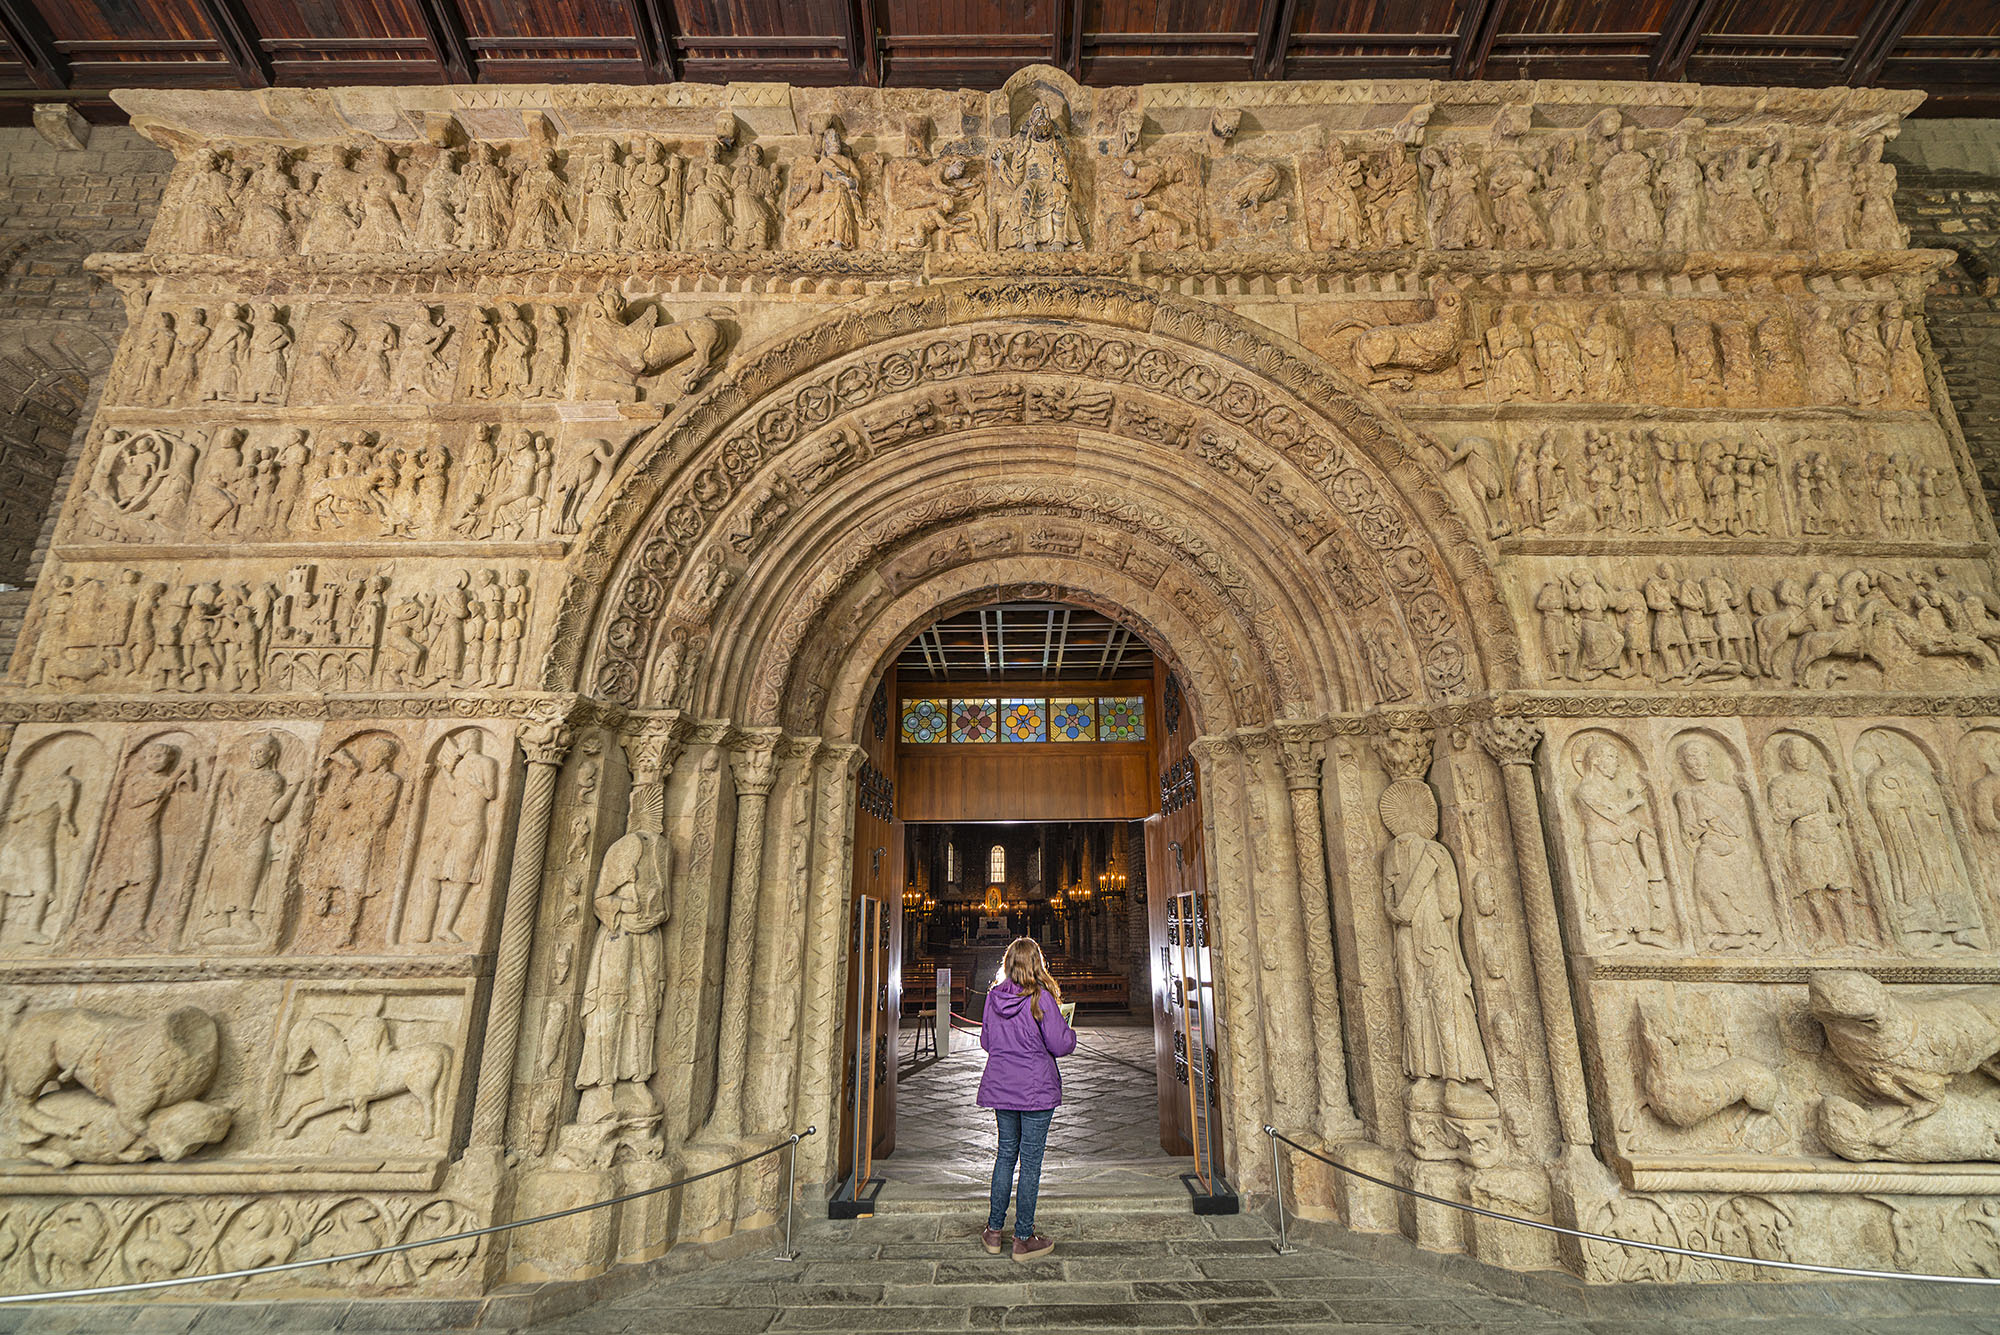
x,y
1023,1136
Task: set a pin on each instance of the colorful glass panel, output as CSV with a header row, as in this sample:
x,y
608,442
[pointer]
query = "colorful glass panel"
x,y
924,721
1024,720
1072,720
974,721
1121,718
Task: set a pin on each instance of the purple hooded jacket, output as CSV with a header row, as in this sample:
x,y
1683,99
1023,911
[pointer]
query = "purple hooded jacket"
x,y
1021,1054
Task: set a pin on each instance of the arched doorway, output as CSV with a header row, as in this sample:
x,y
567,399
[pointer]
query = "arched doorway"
x,y
1027,773
767,553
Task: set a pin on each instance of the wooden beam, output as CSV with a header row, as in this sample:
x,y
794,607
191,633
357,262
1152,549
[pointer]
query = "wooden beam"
x,y
29,36
653,21
1885,27
1678,34
1069,37
864,49
444,29
1476,29
238,36
1274,38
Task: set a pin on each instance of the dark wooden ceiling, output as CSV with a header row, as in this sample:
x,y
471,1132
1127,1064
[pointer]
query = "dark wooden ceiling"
x,y
75,49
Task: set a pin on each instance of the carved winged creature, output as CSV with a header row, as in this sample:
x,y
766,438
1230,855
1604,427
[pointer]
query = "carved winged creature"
x,y
1906,1051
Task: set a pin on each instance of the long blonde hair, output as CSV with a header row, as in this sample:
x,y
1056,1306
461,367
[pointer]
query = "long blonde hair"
x,y
1024,967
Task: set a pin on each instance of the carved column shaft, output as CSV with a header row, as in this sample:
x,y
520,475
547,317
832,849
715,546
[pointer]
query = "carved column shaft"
x,y
754,775
816,1097
1302,775
1512,742
777,1004
545,744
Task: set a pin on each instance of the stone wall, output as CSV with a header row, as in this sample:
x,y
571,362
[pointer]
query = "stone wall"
x,y
1949,194
58,323
435,747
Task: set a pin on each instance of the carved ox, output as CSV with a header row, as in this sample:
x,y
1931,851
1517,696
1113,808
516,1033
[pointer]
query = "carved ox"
x,y
136,1066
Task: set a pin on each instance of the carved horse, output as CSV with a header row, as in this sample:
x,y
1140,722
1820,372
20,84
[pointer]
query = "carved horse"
x,y
354,1075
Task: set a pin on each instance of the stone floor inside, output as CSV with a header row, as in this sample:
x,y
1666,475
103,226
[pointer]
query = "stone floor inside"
x,y
1103,1145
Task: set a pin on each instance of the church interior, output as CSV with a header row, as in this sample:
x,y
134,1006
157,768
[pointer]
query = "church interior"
x,y
572,575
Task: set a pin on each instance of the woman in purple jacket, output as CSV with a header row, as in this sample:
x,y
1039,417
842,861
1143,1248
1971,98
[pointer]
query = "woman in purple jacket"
x,y
1023,1034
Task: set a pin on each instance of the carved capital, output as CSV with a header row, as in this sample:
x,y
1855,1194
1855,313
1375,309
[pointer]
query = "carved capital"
x,y
1405,752
1301,751
653,749
546,741
1511,740
1209,751
754,762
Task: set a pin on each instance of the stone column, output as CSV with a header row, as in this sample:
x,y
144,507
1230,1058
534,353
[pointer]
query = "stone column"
x,y
755,771
816,1084
1302,754
545,743
1511,742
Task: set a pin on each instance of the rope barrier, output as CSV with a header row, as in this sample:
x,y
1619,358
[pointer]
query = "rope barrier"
x,y
1284,1242
791,1177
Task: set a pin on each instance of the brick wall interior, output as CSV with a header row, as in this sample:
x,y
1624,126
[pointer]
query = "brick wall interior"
x,y
58,323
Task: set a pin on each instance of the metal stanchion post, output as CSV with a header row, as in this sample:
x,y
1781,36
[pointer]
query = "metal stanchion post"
x,y
790,1253
1285,1247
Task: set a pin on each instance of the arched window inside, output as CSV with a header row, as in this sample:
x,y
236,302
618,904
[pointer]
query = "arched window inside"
x,y
996,865
951,864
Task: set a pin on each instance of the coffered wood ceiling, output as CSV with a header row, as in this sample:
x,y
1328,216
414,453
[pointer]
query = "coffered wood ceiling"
x,y
75,49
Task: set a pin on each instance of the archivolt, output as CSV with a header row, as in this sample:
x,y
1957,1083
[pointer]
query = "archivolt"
x,y
754,519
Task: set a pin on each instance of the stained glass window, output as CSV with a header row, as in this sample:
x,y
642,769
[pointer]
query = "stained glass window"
x,y
923,720
1072,720
1121,718
996,865
974,721
1024,721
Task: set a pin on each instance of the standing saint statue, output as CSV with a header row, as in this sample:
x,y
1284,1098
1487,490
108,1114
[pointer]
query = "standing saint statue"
x,y
251,808
623,987
1451,1108
1041,213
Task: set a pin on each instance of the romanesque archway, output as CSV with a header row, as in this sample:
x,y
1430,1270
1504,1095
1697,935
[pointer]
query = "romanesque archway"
x,y
766,550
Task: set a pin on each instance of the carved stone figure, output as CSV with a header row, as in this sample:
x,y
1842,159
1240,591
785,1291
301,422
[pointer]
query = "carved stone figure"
x,y
1392,354
132,857
441,203
266,228
540,215
252,805
707,223
1627,878
1443,1052
348,1068
386,209
1931,903
1039,211
1625,189
126,1090
1337,202
464,784
41,837
940,207
1919,1054
1723,870
753,194
621,349
330,194
623,989
1458,219
486,217
824,207
652,196
1685,1096
1812,836
348,860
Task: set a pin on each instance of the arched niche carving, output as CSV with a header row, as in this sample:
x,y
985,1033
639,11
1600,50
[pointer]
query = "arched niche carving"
x,y
1261,446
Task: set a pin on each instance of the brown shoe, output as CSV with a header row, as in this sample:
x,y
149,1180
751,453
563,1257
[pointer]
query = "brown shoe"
x,y
1033,1249
995,1240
